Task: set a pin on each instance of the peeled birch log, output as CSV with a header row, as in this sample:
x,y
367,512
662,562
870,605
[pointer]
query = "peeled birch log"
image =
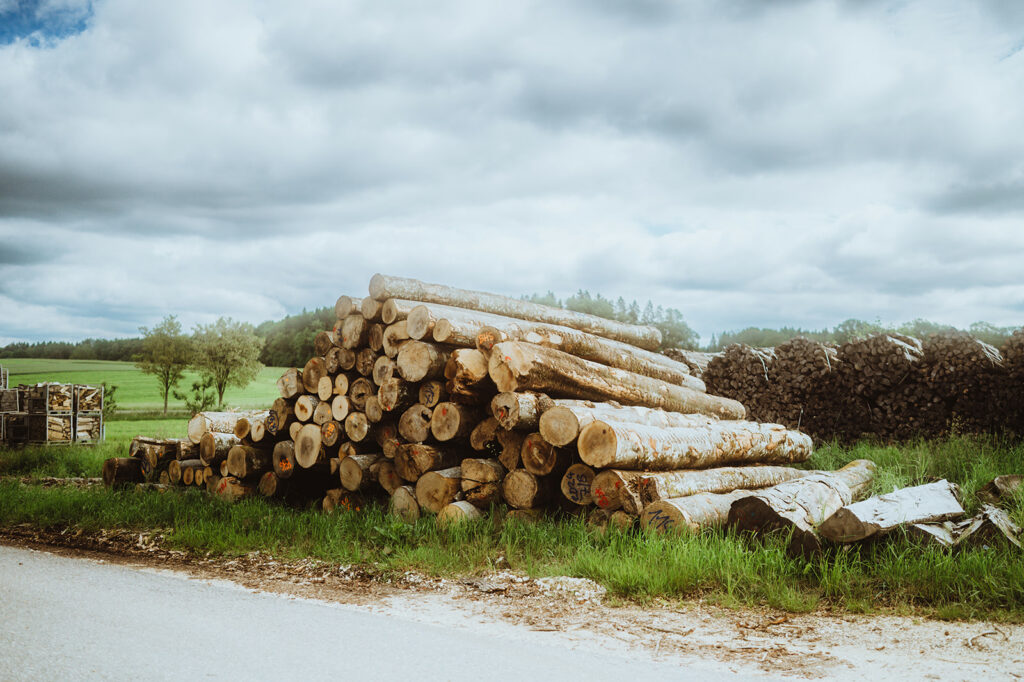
x,y
413,460
396,310
387,477
576,484
691,513
414,424
520,410
339,408
431,393
437,489
518,366
307,446
452,420
383,287
802,504
457,512
246,426
305,406
635,446
562,421
118,471
484,435
214,446
345,306
611,486
418,360
541,458
290,383
355,471
930,503
245,460
523,490
357,426
394,336
359,390
220,422
404,504
466,367
665,485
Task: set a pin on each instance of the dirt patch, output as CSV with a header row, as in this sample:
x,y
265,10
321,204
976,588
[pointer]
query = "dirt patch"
x,y
573,611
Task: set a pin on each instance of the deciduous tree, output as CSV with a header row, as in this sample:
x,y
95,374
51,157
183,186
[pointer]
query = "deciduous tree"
x,y
228,353
165,354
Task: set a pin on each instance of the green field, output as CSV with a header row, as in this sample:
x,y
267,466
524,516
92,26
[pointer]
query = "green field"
x,y
135,391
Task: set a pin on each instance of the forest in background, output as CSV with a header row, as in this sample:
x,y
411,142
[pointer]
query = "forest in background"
x,y
289,341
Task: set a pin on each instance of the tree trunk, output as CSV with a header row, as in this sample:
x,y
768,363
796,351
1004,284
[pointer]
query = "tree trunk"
x,y
518,366
802,504
665,485
396,395
691,513
120,471
930,503
283,458
414,424
611,486
520,410
314,370
523,490
245,461
404,504
452,420
576,484
382,287
220,422
305,406
414,460
542,458
431,393
345,306
355,471
456,513
396,310
357,427
214,446
635,446
437,489
418,361
307,446
394,336
562,421
290,383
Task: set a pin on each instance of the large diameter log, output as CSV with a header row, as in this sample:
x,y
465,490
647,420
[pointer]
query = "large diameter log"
x,y
323,342
387,477
383,370
418,360
345,306
354,331
307,446
801,505
561,422
519,366
404,504
214,446
452,420
610,487
481,480
466,367
371,308
394,336
456,513
355,471
523,490
305,406
541,458
636,446
314,370
414,424
437,489
413,460
220,422
290,383
484,435
576,484
245,460
665,485
520,410
690,513
383,287
120,471
245,425
929,503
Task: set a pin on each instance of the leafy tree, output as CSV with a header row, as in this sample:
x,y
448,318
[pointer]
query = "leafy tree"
x,y
165,354
854,330
547,299
202,397
228,353
109,401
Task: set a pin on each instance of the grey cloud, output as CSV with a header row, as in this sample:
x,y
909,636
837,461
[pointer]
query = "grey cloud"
x,y
993,198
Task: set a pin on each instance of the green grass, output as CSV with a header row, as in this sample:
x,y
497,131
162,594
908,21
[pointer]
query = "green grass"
x,y
136,391
896,574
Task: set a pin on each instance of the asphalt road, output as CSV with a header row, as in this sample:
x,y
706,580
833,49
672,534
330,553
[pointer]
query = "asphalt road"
x,y
68,618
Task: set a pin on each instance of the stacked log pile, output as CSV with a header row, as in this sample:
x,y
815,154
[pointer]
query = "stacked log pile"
x,y
888,385
51,413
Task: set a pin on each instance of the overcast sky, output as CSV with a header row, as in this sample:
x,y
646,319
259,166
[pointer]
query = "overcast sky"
x,y
749,163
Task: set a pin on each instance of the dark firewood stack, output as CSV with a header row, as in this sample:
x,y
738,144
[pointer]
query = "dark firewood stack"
x,y
879,363
803,377
744,374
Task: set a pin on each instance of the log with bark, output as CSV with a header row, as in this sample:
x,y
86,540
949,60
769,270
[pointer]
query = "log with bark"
x,y
419,360
383,287
930,503
314,370
404,505
282,414
290,383
252,426
465,369
394,336
541,458
220,422
358,472
691,513
511,448
120,471
449,421
413,460
801,505
517,366
562,420
414,424
354,331
610,487
366,359
331,433
245,461
484,436
359,390
481,480
520,410
576,484
432,392
523,490
437,489
305,406
231,489
357,427
457,512
664,485
308,450
396,395
214,446
345,306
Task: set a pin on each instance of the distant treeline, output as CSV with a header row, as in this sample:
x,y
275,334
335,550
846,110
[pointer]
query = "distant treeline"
x,y
289,342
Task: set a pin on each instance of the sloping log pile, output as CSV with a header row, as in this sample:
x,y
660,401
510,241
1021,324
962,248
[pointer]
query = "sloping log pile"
x,y
888,385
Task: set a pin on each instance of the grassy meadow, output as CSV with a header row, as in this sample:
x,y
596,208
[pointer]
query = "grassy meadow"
x,y
136,392
893,575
